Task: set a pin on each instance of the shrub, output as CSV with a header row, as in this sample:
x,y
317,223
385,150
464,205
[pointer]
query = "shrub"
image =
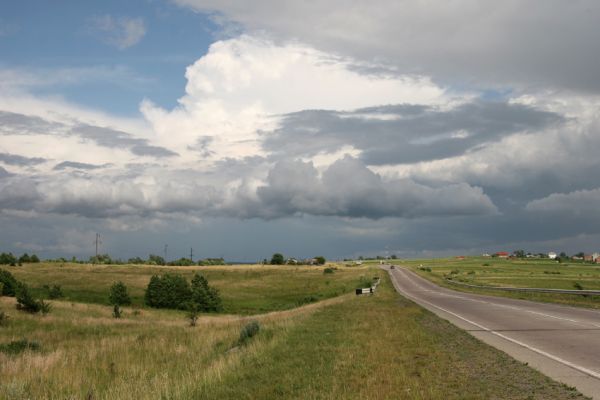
x,y
26,302
277,259
205,297
9,283
578,286
248,331
168,291
192,313
328,271
4,318
118,294
320,260
116,311
8,259
19,346
454,272
54,292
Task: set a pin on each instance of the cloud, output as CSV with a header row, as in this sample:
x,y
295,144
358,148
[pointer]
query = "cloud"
x,y
14,159
121,32
546,43
402,134
76,165
578,203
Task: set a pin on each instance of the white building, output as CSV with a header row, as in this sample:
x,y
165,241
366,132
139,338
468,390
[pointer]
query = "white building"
x,y
552,255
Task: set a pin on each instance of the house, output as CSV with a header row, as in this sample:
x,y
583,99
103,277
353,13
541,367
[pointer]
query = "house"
x,y
485,255
460,257
588,258
502,254
595,257
552,255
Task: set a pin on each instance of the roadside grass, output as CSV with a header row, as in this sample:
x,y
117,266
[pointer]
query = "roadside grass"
x,y
380,347
247,289
487,271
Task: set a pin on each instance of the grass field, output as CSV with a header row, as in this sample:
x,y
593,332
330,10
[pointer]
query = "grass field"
x,y
368,347
245,289
526,273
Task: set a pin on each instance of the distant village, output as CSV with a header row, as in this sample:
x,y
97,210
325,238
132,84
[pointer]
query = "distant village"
x,y
582,257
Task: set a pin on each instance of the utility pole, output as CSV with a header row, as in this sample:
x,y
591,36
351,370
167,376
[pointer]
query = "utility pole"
x,y
166,247
191,254
98,243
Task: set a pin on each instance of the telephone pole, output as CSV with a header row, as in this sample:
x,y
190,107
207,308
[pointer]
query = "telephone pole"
x,y
191,254
98,242
166,248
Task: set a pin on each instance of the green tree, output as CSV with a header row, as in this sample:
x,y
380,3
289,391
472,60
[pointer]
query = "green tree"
x,y
118,294
24,259
156,260
277,259
206,297
26,301
9,283
168,291
7,259
519,253
34,259
320,260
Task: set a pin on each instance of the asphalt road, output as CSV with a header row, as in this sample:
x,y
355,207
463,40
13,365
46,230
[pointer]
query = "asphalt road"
x,y
561,342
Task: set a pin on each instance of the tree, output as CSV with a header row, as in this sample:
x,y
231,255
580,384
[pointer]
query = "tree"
x,y
9,283
118,294
394,257
277,259
34,259
156,260
24,259
168,291
135,260
519,253
26,302
207,298
7,259
320,260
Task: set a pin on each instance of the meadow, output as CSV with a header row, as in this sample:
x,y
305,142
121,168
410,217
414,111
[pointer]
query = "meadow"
x,y
245,289
523,273
343,346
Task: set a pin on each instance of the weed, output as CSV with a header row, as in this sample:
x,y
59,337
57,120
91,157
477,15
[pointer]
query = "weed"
x,y
248,331
19,346
117,311
4,318
328,271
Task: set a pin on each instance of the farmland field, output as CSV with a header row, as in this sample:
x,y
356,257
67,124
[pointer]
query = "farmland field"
x,y
380,346
525,273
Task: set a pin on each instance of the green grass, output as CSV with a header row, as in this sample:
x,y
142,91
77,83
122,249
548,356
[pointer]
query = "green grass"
x,y
348,347
244,289
527,273
381,347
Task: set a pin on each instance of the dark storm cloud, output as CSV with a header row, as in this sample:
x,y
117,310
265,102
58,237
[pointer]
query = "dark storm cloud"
x,y
349,189
405,133
21,161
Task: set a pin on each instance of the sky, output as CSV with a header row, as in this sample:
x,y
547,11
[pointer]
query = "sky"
x,y
241,129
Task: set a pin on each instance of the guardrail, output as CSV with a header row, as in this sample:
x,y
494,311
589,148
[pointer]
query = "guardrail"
x,y
532,290
369,290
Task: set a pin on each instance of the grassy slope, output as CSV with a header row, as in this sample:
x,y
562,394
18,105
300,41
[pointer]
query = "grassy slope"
x,y
381,347
244,289
515,273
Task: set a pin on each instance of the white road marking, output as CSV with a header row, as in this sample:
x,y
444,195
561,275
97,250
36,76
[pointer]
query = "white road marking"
x,y
576,367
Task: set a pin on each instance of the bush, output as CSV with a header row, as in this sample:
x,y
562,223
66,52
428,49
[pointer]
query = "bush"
x,y
277,259
4,318
205,297
578,286
9,283
26,302
250,330
168,291
116,311
328,271
320,260
192,313
8,259
118,294
19,346
54,292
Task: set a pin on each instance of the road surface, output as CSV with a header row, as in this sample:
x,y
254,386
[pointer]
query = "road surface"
x,y
561,342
